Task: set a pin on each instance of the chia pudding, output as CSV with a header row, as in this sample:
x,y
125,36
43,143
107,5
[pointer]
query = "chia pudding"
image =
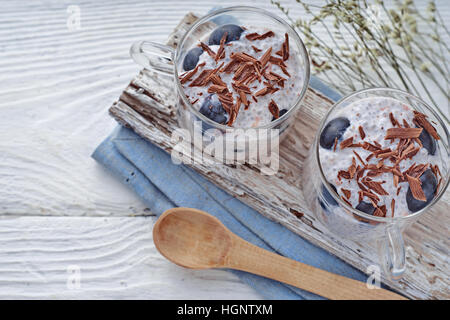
x,y
242,76
381,157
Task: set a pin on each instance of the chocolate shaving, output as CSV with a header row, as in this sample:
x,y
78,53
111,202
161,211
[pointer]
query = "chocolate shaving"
x,y
380,164
359,158
256,49
249,79
241,70
360,172
347,193
361,132
346,201
277,76
217,89
386,154
221,50
335,144
217,80
392,207
265,57
362,187
411,153
343,174
438,170
407,150
393,120
416,188
202,79
246,74
190,74
370,195
234,111
230,67
374,173
285,47
257,69
241,56
262,92
241,87
379,213
284,69
244,99
274,110
256,36
352,168
403,133
370,147
421,120
277,61
208,50
396,172
347,142
375,186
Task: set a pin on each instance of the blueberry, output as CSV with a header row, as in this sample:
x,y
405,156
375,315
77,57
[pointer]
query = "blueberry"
x,y
233,33
366,207
213,109
428,142
334,129
429,185
282,112
328,197
191,58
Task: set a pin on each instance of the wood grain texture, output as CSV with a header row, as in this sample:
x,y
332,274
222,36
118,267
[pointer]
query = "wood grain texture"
x,y
55,89
279,197
115,258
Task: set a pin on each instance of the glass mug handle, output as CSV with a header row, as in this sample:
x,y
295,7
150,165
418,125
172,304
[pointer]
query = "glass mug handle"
x,y
153,56
392,253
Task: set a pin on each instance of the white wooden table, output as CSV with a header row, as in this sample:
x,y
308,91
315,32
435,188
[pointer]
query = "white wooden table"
x,y
61,214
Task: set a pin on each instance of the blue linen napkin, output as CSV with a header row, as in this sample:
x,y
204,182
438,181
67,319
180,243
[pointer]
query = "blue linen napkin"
x,y
149,171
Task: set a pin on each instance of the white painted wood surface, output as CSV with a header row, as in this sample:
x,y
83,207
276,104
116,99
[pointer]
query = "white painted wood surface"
x,y
56,86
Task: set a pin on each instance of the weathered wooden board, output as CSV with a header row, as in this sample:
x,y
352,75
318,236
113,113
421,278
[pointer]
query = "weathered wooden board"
x,y
148,106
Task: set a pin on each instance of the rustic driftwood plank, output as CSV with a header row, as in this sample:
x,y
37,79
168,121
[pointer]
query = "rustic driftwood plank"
x,y
147,106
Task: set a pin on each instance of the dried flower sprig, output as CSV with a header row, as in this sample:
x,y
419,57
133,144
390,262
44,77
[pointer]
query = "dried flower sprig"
x,y
370,45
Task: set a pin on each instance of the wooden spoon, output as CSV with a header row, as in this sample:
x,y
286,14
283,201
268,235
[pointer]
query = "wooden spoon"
x,y
195,239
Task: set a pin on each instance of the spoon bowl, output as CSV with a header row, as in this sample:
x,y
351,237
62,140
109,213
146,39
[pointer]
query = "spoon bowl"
x,y
192,238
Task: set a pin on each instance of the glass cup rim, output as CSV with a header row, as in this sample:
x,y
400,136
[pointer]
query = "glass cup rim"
x,y
354,210
298,40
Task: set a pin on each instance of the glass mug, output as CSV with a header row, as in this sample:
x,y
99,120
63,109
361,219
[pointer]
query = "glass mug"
x,y
166,60
347,222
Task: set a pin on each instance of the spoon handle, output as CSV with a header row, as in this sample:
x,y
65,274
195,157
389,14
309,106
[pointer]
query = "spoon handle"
x,y
248,257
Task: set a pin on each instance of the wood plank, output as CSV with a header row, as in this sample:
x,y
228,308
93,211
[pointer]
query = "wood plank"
x,y
114,257
280,197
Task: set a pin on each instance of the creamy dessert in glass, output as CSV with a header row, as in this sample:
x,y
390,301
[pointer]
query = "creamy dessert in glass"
x,y
243,76
381,156
378,162
240,75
